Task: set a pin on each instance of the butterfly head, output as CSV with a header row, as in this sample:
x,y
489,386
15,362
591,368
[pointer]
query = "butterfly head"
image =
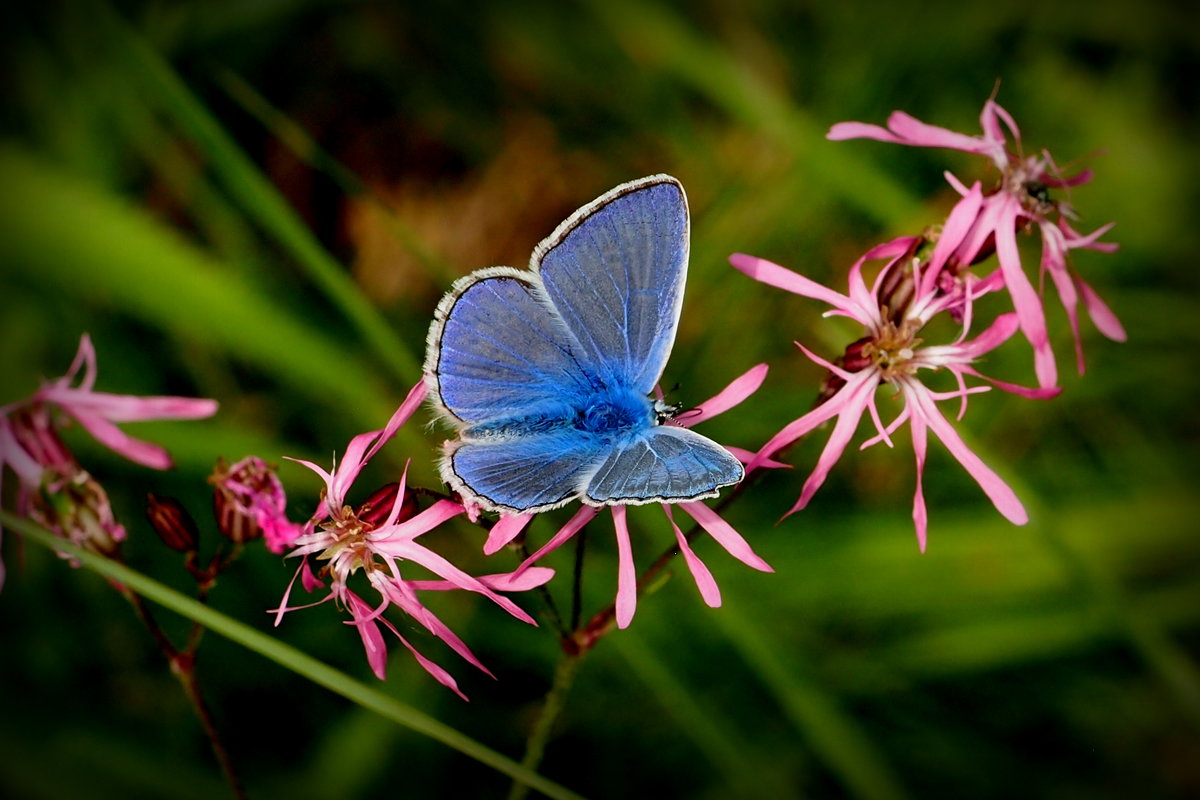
x,y
664,411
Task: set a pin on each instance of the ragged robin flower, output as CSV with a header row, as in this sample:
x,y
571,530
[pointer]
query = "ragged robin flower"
x,y
892,352
1022,197
341,540
52,488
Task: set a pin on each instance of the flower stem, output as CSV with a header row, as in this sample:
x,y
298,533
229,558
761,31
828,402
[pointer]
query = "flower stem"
x,y
183,667
556,698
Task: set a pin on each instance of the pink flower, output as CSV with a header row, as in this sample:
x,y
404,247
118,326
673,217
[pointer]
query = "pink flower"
x,y
46,469
891,353
509,526
97,412
250,501
1021,198
347,541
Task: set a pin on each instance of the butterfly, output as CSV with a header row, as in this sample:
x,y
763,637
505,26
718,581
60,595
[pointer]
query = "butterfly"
x,y
547,373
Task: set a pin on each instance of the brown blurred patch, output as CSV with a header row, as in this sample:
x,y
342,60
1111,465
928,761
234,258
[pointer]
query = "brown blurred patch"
x,y
447,226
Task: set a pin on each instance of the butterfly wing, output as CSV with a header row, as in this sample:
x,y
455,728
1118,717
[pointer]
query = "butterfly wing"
x,y
529,473
513,357
615,272
496,351
665,465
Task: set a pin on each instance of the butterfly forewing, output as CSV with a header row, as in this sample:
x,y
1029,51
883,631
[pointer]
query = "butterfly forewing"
x,y
615,272
497,353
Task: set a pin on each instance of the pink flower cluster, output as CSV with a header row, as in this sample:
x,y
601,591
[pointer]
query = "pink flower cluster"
x,y
53,488
340,541
913,287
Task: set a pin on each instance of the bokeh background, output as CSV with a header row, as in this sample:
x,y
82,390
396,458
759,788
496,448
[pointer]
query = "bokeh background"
x,y
261,202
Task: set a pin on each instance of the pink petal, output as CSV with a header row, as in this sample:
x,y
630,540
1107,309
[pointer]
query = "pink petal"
x,y
353,460
829,365
746,456
954,232
372,639
1102,316
422,523
582,517
738,390
1054,263
999,492
900,419
626,577
704,579
954,182
1026,302
112,437
505,530
128,408
416,396
85,357
530,578
1033,393
14,455
999,332
846,397
920,134
440,675
438,565
884,433
401,595
774,275
725,535
842,131
849,414
920,515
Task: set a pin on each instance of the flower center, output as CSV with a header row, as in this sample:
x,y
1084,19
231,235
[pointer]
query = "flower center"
x,y
890,351
1023,180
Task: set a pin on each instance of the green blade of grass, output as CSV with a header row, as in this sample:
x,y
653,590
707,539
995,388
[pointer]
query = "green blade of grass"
x,y
652,33
293,136
290,658
246,182
75,238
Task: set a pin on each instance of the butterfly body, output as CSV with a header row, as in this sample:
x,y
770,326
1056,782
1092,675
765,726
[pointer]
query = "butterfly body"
x,y
547,372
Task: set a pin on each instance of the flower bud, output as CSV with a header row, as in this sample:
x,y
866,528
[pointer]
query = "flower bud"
x,y
379,505
171,521
855,357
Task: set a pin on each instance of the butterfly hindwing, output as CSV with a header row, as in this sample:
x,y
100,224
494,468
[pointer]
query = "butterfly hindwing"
x,y
665,464
528,473
615,272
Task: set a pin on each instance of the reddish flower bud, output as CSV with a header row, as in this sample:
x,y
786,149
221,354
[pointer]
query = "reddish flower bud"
x,y
379,505
172,522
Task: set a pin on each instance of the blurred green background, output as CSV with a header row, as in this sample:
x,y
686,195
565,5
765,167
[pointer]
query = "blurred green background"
x,y
261,202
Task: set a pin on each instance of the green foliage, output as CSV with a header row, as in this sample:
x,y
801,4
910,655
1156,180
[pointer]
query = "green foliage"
x,y
262,203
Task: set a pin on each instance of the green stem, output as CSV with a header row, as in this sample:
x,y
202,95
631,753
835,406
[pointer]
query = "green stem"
x,y
556,698
183,667
290,658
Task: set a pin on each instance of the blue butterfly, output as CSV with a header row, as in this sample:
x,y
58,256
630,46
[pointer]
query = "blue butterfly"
x,y
547,372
